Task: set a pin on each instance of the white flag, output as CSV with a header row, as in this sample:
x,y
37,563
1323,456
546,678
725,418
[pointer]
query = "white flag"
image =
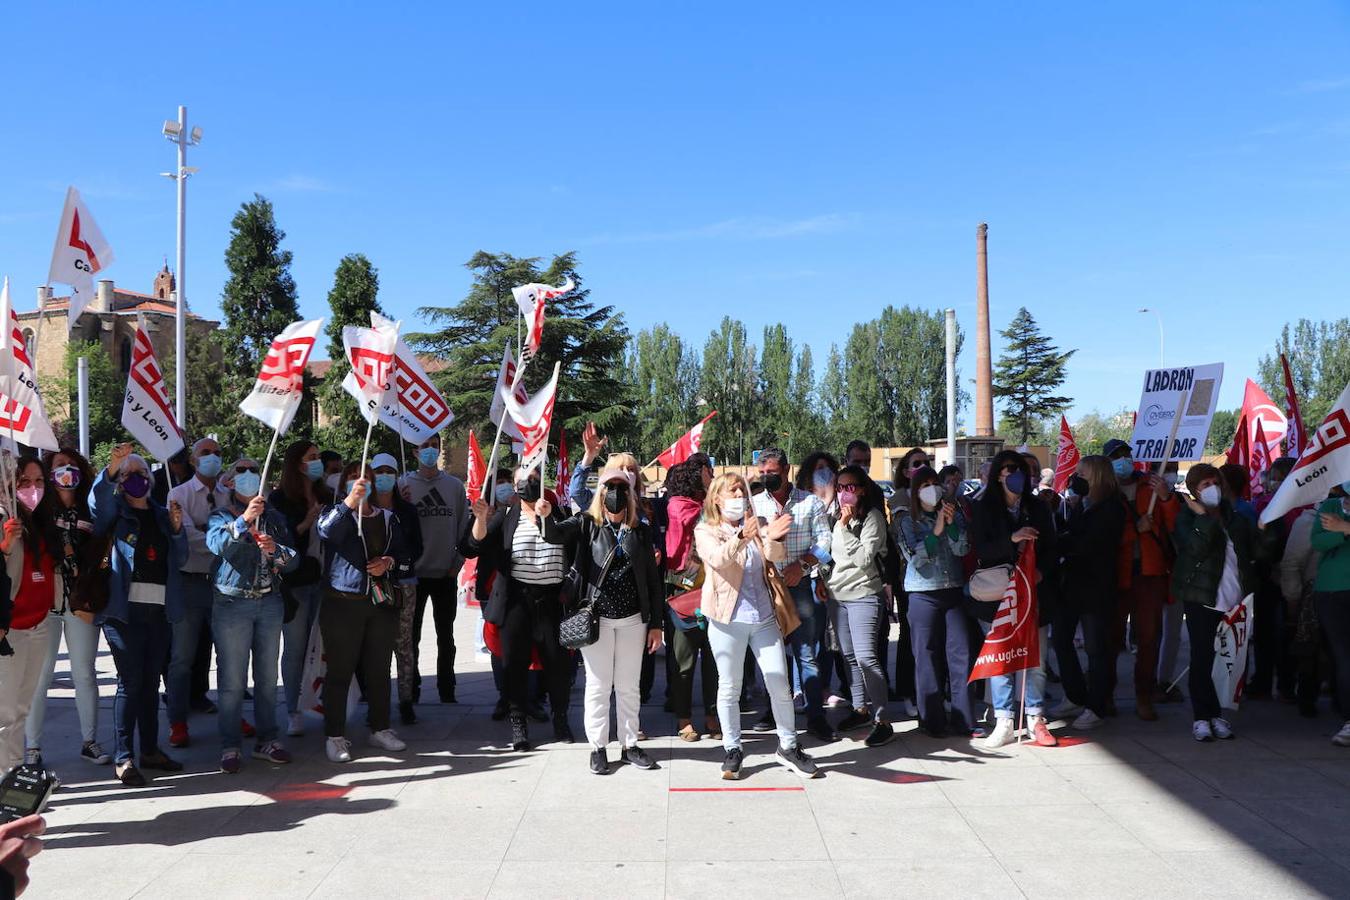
x,y
1232,641
506,376
146,412
535,419
81,252
532,298
412,407
21,411
370,352
1324,464
280,386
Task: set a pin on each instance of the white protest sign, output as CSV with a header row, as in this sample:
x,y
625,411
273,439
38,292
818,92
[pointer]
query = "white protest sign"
x,y
1163,389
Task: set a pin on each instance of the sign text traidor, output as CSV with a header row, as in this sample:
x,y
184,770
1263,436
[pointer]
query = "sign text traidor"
x,y
1163,389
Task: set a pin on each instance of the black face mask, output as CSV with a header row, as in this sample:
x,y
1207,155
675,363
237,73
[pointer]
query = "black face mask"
x,y
1079,485
530,490
616,498
773,483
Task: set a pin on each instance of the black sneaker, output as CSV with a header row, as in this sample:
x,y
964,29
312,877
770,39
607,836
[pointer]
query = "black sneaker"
x,y
731,766
881,734
765,724
562,732
821,731
599,762
520,734
853,720
406,714
798,762
499,711
637,757
202,705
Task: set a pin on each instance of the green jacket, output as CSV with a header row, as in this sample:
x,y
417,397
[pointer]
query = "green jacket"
x,y
1333,550
1200,542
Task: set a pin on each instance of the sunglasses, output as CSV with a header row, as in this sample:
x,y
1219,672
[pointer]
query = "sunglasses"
x,y
239,470
849,487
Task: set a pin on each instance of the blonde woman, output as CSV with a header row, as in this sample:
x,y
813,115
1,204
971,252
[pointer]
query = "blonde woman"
x,y
625,588
739,605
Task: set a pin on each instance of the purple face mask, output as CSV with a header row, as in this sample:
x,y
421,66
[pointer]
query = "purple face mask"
x,y
136,485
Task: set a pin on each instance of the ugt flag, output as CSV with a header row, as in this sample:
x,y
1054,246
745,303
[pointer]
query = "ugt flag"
x,y
1067,456
22,415
1324,464
81,252
532,298
146,412
1259,409
563,487
412,406
1014,641
1231,643
1258,461
507,381
280,386
370,352
535,418
1295,438
477,469
686,446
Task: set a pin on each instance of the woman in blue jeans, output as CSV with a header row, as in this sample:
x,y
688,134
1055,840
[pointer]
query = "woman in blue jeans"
x,y
254,549
148,549
934,536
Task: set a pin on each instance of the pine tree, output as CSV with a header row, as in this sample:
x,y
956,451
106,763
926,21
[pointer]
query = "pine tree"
x,y
259,298
1028,374
729,383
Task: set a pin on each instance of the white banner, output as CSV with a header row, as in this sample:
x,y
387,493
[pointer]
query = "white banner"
x,y
497,411
1158,406
146,412
1325,463
279,388
81,252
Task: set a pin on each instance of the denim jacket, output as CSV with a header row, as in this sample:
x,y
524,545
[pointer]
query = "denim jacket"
x,y
934,560
344,551
113,516
237,566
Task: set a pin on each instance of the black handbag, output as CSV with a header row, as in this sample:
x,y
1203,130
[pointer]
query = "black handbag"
x,y
582,628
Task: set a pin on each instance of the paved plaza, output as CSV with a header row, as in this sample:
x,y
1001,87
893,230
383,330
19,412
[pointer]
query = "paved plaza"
x,y
1131,810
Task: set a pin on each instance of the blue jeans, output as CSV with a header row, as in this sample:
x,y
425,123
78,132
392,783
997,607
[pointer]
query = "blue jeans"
x,y
242,626
1004,687
139,647
806,642
196,611
295,641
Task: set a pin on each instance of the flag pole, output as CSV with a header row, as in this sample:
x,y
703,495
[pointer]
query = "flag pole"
x,y
267,463
1022,708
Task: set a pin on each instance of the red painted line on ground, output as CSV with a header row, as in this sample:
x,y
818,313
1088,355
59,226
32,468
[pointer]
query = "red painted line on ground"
x,y
703,790
910,778
290,793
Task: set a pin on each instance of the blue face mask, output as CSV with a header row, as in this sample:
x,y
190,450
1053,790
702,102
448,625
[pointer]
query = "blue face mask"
x,y
823,478
209,464
428,456
385,482
348,487
314,469
1015,482
247,484
1123,467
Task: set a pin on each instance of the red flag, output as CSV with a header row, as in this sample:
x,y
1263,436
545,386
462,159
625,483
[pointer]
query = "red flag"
x,y
564,484
1239,454
686,446
1294,438
1258,408
1066,458
1014,641
1258,461
477,470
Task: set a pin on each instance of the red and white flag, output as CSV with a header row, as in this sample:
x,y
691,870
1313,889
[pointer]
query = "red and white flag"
x,y
1232,642
81,252
1295,437
1067,457
1014,641
280,385
506,378
686,446
477,469
1259,409
1240,452
535,418
532,298
147,411
370,353
412,407
22,414
1258,461
563,487
1324,463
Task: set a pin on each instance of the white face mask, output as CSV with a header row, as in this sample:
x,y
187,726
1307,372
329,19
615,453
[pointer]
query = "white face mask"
x,y
1210,495
929,495
733,509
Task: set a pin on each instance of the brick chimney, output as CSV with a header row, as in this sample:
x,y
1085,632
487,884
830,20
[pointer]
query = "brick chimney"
x,y
984,372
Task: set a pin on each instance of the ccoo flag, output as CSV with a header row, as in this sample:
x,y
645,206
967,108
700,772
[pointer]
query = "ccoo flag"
x,y
146,412
1324,464
280,386
1014,641
532,298
81,252
686,446
1067,456
370,353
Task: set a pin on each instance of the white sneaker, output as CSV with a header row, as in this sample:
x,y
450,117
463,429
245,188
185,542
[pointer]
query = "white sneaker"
x,y
339,750
387,740
1088,720
295,724
1222,730
1342,738
1003,734
1201,731
1066,709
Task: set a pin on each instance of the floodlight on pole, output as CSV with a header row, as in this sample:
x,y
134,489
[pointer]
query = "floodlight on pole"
x,y
177,132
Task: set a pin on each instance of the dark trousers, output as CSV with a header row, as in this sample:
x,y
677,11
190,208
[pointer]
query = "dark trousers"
x,y
201,664
1143,603
441,593
356,631
686,646
1097,619
1333,612
1202,623
940,633
1274,667
905,657
532,617
139,648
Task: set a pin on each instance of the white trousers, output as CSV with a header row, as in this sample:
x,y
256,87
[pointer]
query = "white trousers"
x,y
19,675
614,664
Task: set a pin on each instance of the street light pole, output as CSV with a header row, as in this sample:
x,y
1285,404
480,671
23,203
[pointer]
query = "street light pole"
x,y
178,133
1161,346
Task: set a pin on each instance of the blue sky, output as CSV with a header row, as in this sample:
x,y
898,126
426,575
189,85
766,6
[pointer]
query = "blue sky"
x,y
776,162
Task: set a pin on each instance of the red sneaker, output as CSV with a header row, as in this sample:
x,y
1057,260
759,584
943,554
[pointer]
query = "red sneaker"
x,y
1040,732
178,734
247,729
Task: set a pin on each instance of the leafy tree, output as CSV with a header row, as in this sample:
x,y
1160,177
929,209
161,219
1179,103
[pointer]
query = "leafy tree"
x,y
775,422
664,377
1043,431
1029,373
867,415
1319,362
1221,430
832,399
210,409
808,431
588,340
728,383
1093,430
60,396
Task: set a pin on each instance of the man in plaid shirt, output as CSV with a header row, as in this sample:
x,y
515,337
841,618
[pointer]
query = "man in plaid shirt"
x,y
806,542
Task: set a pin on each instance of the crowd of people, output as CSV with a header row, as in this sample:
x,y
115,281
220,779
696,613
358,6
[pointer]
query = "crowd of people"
x,y
778,592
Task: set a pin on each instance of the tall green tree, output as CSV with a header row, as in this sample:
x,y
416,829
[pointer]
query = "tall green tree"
x,y
60,396
867,415
729,383
1319,362
1028,373
807,427
832,400
664,375
587,340
1093,430
775,424
1221,430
